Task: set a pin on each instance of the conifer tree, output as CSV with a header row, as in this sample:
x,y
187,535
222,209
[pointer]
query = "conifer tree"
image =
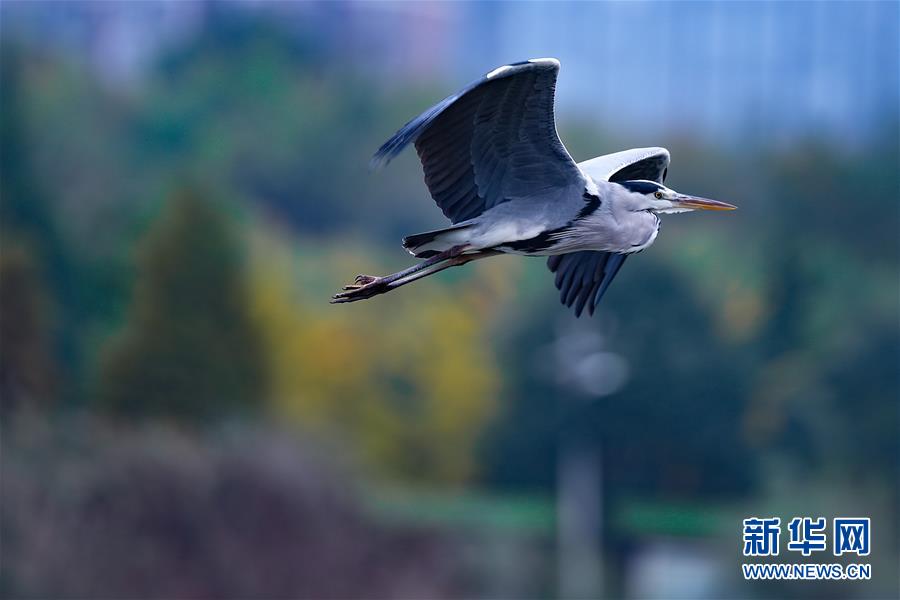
x,y
189,350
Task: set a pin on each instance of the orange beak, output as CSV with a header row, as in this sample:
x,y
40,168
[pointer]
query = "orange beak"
x,y
694,202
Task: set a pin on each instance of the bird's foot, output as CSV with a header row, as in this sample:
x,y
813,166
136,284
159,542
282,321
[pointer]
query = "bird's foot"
x,y
362,280
363,287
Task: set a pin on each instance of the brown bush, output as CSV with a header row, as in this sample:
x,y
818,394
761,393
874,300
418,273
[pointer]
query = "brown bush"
x,y
88,512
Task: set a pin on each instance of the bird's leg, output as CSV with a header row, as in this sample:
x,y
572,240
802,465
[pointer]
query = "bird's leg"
x,y
372,281
367,286
425,264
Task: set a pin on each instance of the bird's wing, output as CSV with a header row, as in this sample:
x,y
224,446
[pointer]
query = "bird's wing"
x,y
494,141
650,164
582,277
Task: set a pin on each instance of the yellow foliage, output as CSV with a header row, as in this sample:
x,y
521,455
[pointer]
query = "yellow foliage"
x,y
408,379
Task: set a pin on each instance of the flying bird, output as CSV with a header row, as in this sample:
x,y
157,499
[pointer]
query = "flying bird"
x,y
496,167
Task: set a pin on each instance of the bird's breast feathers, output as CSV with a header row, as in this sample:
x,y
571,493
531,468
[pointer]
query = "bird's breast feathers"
x,y
649,240
608,230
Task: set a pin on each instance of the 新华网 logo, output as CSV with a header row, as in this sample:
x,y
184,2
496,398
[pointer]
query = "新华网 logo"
x,y
807,536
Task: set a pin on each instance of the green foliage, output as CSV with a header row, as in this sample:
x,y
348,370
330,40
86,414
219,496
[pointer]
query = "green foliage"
x,y
656,438
273,119
39,275
189,349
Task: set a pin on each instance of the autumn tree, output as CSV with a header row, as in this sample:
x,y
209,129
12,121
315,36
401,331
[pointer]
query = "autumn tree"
x,y
409,384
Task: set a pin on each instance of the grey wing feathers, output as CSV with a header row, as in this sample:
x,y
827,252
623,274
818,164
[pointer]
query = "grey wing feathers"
x,y
583,277
494,141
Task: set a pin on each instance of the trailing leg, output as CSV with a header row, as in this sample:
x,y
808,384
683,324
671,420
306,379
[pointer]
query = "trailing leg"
x,y
367,286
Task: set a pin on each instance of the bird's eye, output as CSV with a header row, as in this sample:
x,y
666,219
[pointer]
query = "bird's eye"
x,y
658,195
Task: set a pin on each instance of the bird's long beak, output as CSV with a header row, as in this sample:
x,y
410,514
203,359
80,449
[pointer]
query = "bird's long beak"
x,y
697,203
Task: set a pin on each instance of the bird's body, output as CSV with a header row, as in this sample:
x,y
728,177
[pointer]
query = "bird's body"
x,y
570,225
497,169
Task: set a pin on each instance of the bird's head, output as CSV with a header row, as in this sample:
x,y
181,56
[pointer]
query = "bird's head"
x,y
655,197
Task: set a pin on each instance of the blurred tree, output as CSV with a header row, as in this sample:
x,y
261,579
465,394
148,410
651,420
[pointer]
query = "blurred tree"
x,y
832,291
38,273
261,85
673,431
27,366
410,384
866,410
189,349
282,123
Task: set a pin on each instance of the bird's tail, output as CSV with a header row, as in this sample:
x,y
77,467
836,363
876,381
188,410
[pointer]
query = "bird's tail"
x,y
429,243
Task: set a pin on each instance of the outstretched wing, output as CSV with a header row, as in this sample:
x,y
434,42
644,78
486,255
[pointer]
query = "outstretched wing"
x,y
583,277
650,164
492,142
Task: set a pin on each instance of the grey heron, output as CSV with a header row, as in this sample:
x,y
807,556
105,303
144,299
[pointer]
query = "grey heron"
x,y
496,167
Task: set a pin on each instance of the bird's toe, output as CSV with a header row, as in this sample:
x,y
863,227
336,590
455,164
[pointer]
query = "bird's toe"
x,y
364,287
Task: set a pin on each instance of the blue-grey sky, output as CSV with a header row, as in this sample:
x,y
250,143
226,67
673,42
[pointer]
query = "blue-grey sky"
x,y
770,71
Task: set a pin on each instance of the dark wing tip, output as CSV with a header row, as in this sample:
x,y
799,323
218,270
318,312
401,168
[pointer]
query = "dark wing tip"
x,y
408,133
380,160
414,128
377,163
582,278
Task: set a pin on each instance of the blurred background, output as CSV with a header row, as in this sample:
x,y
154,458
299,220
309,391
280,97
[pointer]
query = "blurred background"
x,y
184,184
